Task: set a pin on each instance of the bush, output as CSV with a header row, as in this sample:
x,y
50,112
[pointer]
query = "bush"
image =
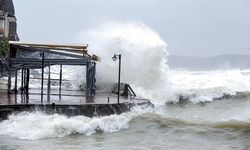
x,y
3,46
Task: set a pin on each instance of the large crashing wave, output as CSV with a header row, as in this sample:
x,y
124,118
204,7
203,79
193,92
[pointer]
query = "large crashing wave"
x,y
144,66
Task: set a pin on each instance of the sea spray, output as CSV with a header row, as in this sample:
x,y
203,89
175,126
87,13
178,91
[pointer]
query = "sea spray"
x,y
37,125
144,66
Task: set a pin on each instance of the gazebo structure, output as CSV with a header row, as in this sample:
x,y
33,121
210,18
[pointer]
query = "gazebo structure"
x,y
27,56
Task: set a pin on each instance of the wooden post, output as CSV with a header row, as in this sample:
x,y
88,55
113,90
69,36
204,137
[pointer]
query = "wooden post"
x,y
15,98
42,77
87,93
22,81
27,84
48,86
27,80
60,81
16,82
9,82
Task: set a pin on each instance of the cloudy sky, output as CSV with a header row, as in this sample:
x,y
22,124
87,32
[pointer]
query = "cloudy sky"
x,y
189,27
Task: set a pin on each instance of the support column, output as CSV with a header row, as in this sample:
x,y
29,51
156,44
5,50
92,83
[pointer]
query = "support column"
x,y
9,81
48,86
27,85
22,80
87,80
60,82
27,81
90,78
42,77
16,90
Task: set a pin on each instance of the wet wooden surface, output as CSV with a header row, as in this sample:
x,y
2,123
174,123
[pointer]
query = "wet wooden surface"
x,y
67,98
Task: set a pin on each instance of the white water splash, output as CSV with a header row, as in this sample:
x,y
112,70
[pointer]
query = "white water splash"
x,y
143,53
144,66
203,86
37,125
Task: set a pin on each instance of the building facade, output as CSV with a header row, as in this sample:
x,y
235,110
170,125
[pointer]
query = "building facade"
x,y
8,25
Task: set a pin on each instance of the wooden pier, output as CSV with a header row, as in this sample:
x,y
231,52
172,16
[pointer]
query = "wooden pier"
x,y
71,103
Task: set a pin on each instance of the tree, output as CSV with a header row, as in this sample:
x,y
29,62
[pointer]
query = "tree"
x,y
3,46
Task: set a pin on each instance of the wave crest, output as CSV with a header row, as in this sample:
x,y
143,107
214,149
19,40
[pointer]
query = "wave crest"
x,y
37,125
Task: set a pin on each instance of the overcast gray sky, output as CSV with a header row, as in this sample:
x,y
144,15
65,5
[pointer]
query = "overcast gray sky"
x,y
189,27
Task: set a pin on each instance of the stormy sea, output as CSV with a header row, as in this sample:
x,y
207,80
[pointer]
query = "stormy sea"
x,y
199,103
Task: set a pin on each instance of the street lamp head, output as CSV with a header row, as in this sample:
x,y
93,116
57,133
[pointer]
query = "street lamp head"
x,y
114,58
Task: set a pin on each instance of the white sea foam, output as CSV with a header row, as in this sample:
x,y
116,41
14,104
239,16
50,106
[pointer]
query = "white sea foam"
x,y
32,126
201,86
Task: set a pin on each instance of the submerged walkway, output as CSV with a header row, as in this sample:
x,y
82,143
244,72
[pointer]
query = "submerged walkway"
x,y
70,103
67,98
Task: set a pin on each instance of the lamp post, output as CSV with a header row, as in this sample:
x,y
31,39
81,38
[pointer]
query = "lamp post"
x,y
119,75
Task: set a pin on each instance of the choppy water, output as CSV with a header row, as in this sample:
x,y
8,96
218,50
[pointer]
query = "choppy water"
x,y
222,124
193,109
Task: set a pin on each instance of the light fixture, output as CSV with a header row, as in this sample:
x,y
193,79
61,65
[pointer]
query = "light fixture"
x,y
114,57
